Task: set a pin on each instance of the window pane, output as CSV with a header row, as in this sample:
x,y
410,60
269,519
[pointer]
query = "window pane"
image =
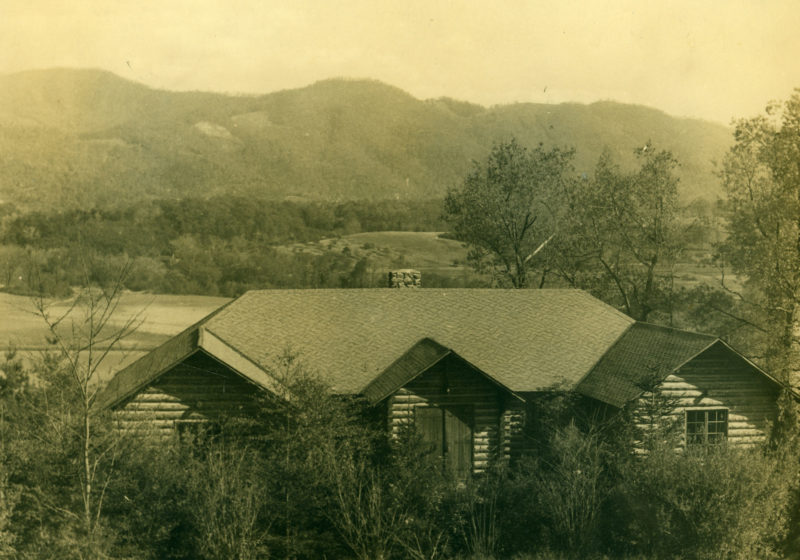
x,y
716,428
695,432
695,439
695,416
715,438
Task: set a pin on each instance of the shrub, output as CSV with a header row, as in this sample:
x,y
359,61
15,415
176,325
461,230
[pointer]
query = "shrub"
x,y
572,487
228,493
149,504
718,502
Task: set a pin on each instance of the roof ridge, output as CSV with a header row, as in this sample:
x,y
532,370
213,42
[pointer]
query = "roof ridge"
x,y
416,290
195,325
676,329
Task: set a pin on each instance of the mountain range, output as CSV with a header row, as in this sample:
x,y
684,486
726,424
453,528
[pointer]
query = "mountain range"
x,y
88,138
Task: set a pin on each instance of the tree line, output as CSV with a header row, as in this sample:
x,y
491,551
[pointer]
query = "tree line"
x,y
216,246
225,245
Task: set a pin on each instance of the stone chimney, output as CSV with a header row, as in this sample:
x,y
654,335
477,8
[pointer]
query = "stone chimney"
x,y
405,278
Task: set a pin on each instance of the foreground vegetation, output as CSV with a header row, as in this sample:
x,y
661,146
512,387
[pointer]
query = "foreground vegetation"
x,y
316,477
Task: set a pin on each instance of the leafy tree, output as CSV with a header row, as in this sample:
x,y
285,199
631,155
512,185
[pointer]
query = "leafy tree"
x,y
506,210
761,174
624,234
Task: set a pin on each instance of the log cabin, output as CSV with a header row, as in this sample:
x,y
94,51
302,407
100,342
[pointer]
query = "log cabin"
x,y
463,365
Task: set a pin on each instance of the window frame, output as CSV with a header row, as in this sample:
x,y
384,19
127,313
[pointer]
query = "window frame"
x,y
719,436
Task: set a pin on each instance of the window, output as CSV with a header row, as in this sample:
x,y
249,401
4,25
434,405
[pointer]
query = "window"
x,y
706,426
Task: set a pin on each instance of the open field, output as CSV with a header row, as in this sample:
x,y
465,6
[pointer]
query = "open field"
x,y
423,250
159,316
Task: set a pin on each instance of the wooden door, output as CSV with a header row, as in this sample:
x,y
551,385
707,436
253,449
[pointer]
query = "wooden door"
x,y
448,432
429,424
458,440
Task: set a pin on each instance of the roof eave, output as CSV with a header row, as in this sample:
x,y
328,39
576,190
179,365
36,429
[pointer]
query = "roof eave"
x,y
227,354
444,354
792,391
668,373
386,394
112,401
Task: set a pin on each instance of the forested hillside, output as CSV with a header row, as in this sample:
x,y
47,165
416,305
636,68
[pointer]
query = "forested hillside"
x,y
85,138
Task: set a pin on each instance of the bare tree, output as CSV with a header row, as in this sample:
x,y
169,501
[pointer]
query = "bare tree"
x,y
82,336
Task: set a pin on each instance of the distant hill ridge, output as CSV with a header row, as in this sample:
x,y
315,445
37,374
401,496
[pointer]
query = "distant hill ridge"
x,y
90,138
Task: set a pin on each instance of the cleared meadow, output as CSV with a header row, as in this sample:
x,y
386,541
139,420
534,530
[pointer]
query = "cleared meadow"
x,y
158,317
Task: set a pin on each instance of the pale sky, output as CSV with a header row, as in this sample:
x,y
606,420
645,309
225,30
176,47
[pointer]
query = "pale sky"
x,y
714,59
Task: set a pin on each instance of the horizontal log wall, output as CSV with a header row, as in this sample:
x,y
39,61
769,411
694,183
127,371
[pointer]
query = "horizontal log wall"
x,y
198,390
719,379
513,424
452,383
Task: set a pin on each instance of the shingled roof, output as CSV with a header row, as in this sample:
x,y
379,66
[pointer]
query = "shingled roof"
x,y
643,354
527,340
372,341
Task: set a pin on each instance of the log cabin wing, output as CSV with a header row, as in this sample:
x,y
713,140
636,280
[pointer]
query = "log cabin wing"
x,y
464,414
700,377
458,364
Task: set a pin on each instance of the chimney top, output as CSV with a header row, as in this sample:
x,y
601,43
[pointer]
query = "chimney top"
x,y
405,278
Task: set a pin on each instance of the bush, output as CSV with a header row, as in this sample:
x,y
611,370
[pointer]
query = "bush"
x,y
149,503
571,486
717,502
228,491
